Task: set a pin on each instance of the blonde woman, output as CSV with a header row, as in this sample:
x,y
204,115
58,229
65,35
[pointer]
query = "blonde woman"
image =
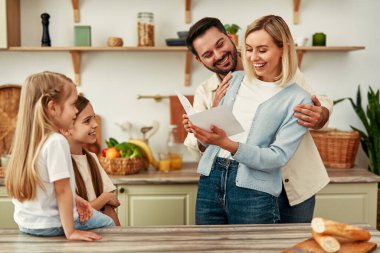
x,y
40,176
240,175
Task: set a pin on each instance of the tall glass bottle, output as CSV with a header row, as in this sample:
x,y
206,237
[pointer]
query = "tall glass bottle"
x,y
174,148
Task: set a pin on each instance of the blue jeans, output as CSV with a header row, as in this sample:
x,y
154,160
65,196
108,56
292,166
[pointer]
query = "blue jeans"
x,y
301,213
220,201
97,220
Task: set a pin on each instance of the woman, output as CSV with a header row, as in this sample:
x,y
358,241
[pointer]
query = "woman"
x,y
240,175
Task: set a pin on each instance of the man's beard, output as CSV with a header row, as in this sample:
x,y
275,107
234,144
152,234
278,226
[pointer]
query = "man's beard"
x,y
234,57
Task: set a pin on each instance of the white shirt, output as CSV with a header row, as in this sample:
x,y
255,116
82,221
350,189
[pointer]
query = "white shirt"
x,y
250,95
85,172
54,163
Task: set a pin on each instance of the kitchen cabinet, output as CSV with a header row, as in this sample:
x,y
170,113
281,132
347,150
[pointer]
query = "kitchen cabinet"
x,y
6,207
154,205
348,202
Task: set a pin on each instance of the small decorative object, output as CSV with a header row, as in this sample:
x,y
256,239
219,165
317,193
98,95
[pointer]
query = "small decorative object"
x,y
319,39
300,41
145,29
115,42
232,29
45,42
82,35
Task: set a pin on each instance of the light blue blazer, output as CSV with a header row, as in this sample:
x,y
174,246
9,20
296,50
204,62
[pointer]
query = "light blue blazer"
x,y
272,140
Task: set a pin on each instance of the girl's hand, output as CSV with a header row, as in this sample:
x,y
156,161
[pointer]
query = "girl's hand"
x,y
113,201
216,136
79,235
84,209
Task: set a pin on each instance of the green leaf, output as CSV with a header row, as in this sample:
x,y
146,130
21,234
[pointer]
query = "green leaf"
x,y
370,138
232,28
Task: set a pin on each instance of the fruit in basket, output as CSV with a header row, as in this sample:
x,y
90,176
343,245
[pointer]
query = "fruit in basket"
x,y
112,153
111,142
129,150
147,151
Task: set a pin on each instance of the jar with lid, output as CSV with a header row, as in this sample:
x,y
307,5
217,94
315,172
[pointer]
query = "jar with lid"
x,y
173,148
145,29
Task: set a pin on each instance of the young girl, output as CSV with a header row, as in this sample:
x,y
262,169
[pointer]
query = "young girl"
x,y
92,182
40,176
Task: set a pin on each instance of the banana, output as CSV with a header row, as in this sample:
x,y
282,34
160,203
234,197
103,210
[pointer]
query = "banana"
x,y
147,150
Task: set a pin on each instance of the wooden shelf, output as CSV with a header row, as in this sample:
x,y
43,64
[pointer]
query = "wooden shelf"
x,y
76,10
100,49
75,53
302,50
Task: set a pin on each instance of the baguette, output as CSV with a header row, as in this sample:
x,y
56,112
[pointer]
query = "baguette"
x,y
326,242
329,227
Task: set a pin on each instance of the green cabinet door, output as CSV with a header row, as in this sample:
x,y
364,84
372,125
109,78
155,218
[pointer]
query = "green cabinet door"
x,y
6,207
348,202
154,205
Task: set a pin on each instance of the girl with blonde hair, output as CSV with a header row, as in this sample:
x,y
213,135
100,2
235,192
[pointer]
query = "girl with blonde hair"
x,y
40,176
92,182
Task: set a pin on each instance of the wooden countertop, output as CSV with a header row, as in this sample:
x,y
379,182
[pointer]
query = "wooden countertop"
x,y
226,238
189,175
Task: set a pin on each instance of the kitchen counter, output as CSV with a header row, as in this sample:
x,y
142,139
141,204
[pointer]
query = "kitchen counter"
x,y
227,238
188,174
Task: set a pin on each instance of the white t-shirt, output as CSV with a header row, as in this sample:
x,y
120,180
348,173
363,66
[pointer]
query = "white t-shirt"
x,y
54,163
250,95
85,172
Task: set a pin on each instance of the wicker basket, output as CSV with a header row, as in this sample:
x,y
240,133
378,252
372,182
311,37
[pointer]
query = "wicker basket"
x,y
121,166
337,148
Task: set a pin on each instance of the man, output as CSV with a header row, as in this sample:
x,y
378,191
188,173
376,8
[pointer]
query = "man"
x,y
212,46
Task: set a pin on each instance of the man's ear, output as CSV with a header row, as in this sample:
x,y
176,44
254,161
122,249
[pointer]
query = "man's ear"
x,y
198,59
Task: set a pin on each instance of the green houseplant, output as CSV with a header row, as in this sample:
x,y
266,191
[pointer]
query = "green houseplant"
x,y
370,138
232,29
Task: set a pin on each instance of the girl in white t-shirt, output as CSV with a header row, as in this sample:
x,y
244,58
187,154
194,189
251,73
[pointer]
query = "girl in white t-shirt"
x,y
92,182
40,176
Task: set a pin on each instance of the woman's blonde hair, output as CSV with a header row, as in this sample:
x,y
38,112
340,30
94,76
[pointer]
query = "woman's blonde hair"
x,y
33,127
277,28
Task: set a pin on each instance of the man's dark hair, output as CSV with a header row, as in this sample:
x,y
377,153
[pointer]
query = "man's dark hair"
x,y
200,28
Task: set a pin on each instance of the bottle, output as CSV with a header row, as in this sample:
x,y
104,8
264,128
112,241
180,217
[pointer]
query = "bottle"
x,y
173,148
145,29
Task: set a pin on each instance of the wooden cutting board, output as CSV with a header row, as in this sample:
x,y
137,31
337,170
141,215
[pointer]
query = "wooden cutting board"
x,y
9,102
312,246
176,112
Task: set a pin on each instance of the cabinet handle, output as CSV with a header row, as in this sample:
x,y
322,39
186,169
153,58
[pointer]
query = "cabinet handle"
x,y
122,190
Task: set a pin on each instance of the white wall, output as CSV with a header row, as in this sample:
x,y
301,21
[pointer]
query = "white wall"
x,y
112,80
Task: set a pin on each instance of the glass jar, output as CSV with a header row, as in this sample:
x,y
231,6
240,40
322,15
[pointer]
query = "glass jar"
x,y
145,29
173,148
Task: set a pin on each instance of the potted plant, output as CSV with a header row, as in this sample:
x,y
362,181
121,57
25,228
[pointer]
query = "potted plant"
x,y
232,29
370,138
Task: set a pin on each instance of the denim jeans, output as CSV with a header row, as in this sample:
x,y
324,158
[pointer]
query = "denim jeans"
x,y
97,220
220,201
301,213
